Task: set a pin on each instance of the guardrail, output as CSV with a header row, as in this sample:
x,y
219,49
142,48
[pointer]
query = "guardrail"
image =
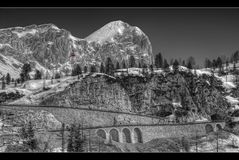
x,y
87,109
143,125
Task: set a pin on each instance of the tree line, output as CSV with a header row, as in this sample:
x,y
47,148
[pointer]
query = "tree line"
x,y
222,62
160,62
109,67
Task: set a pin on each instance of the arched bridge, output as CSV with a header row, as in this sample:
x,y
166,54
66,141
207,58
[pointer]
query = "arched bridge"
x,y
145,133
134,133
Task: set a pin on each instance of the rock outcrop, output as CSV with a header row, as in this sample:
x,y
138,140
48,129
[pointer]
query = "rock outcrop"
x,y
179,97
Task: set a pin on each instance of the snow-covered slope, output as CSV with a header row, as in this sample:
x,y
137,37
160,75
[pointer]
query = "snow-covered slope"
x,y
9,65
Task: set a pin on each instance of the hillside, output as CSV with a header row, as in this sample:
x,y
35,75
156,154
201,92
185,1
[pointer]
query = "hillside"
x,y
183,96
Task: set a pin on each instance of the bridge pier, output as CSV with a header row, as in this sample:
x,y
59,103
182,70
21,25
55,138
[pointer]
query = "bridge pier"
x,y
120,136
132,136
107,136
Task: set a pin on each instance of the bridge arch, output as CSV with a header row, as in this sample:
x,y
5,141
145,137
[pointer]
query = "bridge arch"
x,y
101,133
114,133
126,135
209,128
138,135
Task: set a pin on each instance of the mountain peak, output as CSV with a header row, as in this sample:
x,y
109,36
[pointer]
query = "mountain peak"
x,y
106,32
49,25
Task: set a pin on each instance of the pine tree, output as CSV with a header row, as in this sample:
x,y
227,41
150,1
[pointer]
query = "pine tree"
x,y
18,80
70,145
79,70
22,77
236,56
102,68
23,133
63,137
117,65
57,75
227,64
76,70
165,64
38,75
206,63
189,65
26,69
219,64
185,144
30,130
234,67
73,71
123,64
8,79
144,72
214,64
151,69
192,61
158,61
75,139
85,69
139,66
175,65
3,84
109,66
79,141
132,61
92,69
28,134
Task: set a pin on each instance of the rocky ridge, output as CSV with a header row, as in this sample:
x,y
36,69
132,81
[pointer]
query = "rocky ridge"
x,y
47,47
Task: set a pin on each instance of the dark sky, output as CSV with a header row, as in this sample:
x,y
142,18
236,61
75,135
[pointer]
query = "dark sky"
x,y
176,32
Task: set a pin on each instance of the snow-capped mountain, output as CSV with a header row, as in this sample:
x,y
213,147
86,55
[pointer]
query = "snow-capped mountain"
x,y
46,47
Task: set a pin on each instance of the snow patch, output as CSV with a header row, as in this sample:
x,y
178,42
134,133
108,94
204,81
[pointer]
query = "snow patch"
x,y
201,72
202,119
9,65
138,31
232,100
229,85
14,90
3,45
107,32
130,71
23,33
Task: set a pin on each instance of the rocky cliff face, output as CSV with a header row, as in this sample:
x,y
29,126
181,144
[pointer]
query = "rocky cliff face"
x,y
192,95
98,91
176,96
46,46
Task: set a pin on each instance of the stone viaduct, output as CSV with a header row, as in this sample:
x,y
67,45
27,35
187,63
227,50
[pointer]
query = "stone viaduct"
x,y
145,133
144,129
